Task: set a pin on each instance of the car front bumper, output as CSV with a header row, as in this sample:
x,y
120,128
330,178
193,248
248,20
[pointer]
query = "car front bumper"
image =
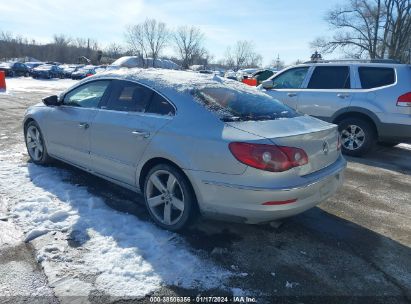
x,y
244,203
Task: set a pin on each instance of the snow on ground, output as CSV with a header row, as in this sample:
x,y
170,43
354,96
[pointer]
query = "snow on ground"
x,y
405,146
128,256
28,84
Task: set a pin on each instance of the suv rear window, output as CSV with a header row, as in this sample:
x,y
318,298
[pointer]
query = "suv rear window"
x,y
235,105
374,77
326,77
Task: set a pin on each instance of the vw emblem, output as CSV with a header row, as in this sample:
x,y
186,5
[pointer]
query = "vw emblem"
x,y
325,147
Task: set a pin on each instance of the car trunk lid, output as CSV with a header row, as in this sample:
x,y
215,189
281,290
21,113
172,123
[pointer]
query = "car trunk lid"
x,y
317,138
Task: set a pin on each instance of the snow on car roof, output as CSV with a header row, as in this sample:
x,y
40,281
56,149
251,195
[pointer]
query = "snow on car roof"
x,y
172,80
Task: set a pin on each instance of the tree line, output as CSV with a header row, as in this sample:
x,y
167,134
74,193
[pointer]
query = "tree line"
x,y
147,39
375,29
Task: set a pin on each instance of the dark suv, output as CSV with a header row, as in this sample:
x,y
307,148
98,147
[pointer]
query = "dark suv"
x,y
12,69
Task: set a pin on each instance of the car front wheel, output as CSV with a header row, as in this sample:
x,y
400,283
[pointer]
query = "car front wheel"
x,y
357,136
169,197
35,144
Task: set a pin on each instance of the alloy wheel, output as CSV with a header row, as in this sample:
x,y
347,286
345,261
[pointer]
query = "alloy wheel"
x,y
165,197
34,143
352,137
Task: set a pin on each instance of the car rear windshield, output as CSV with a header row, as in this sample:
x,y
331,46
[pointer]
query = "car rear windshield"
x,y
234,105
374,77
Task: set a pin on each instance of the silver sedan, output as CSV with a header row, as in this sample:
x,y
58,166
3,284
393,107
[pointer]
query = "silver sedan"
x,y
191,143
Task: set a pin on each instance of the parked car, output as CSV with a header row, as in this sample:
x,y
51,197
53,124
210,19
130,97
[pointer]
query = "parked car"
x,y
83,72
230,75
12,69
262,75
190,143
369,101
205,72
47,71
68,70
245,73
32,65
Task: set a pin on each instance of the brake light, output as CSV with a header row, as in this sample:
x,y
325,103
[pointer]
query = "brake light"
x,y
339,142
404,100
268,157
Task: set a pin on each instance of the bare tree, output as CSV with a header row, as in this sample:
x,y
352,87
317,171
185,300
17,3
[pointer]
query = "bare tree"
x,y
374,28
187,41
114,50
147,39
242,55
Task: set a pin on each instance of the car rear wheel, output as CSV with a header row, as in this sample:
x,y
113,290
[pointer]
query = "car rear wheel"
x,y
357,136
169,197
35,144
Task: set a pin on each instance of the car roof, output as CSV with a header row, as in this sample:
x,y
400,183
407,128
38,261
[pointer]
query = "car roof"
x,y
354,63
169,82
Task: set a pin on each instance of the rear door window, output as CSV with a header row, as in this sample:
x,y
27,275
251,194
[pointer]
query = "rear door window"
x,y
129,97
330,77
159,105
374,77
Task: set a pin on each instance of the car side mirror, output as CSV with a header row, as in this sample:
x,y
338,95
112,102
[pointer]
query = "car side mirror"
x,y
52,100
267,84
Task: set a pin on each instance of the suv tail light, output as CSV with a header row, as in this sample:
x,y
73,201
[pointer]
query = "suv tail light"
x,y
268,157
339,142
404,100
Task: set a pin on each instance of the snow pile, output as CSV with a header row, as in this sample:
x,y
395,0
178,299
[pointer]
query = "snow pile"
x,y
128,256
26,84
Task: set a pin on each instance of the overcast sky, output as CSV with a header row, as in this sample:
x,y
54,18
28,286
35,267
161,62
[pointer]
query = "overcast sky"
x,y
283,27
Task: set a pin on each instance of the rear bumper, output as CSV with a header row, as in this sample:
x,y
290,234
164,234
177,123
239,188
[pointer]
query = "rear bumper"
x,y
244,203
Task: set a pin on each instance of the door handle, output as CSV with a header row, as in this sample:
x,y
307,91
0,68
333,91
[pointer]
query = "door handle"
x,y
83,125
343,95
141,133
291,94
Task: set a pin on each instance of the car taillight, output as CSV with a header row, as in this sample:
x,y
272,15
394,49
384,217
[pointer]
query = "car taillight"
x,y
404,100
268,157
339,142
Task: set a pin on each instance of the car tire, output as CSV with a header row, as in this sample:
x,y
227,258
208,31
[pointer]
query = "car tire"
x,y
34,141
387,143
169,197
357,136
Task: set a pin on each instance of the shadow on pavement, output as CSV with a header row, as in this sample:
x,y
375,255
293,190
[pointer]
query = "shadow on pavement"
x,y
333,246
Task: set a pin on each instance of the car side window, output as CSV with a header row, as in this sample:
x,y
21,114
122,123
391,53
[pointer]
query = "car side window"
x,y
330,77
159,105
291,79
129,97
88,95
374,77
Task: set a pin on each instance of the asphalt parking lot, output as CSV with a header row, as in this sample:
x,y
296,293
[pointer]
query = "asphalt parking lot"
x,y
355,247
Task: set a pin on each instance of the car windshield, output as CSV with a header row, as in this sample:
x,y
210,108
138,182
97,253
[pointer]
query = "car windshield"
x,y
234,105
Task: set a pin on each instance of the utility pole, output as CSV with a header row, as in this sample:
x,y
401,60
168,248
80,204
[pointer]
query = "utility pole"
x,y
278,62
